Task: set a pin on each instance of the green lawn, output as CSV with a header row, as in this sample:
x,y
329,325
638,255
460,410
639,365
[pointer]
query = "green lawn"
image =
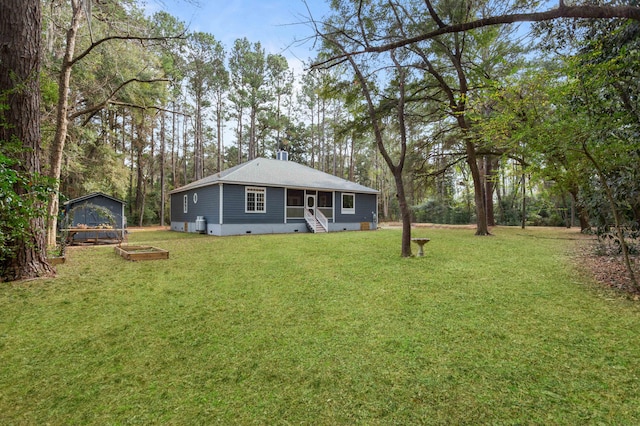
x,y
321,329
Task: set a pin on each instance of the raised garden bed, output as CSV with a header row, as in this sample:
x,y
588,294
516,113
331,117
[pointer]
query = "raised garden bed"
x,y
141,252
57,260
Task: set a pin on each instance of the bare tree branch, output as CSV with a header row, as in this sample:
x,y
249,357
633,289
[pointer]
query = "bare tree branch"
x,y
564,11
127,37
145,107
97,107
434,15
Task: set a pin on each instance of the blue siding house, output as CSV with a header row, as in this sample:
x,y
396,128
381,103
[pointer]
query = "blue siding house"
x,y
268,196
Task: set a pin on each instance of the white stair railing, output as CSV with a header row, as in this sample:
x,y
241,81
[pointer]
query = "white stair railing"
x,y
317,223
311,221
322,219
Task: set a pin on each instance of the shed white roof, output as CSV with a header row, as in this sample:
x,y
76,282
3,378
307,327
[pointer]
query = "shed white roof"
x,y
278,173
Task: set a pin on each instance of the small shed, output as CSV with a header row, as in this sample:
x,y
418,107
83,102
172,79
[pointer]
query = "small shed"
x,y
95,217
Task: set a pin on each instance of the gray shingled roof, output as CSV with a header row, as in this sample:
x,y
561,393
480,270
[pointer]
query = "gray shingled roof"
x,y
278,173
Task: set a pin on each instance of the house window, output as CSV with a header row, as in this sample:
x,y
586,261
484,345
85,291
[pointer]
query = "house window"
x,y
348,204
255,200
195,198
185,204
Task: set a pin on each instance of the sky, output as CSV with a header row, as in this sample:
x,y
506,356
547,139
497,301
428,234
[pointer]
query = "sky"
x,y
276,24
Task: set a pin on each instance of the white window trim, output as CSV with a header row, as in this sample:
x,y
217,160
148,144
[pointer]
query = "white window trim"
x,y
195,198
185,204
344,210
221,209
285,192
255,190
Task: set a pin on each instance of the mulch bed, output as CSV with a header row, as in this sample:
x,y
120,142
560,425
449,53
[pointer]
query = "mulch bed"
x,y
607,268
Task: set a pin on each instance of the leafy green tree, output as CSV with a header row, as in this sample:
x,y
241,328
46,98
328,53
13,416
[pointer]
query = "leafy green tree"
x,y
597,103
308,97
410,88
239,94
248,67
220,88
280,80
173,65
23,197
386,108
205,70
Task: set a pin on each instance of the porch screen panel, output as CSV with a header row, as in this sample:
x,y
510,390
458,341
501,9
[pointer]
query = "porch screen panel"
x,y
325,203
295,203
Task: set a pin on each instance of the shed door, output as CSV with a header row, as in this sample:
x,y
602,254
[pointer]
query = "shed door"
x,y
310,203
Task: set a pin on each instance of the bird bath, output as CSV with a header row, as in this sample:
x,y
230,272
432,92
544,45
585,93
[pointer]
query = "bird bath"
x,y
420,242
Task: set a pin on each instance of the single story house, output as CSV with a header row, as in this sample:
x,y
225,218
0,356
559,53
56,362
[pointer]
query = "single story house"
x,y
265,196
94,217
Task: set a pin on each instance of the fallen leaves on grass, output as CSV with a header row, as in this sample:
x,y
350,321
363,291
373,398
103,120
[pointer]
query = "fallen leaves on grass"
x,y
607,268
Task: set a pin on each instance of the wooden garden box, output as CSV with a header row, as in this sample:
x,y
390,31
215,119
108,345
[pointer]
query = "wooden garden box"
x,y
141,252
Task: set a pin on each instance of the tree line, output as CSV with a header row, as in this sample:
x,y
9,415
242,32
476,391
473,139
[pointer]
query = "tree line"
x,y
446,107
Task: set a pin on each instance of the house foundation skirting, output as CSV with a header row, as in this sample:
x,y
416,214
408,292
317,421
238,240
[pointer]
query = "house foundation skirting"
x,y
249,229
336,227
242,229
274,228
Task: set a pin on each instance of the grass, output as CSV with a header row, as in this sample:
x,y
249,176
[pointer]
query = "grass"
x,y
321,329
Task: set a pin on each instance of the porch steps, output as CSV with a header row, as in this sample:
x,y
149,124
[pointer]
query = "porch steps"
x,y
315,226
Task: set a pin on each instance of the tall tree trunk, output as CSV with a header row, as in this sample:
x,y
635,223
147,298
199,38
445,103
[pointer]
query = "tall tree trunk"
x,y
162,167
320,136
131,163
405,211
478,188
489,184
311,137
583,214
62,121
20,50
239,135
124,132
524,200
219,112
143,200
140,179
173,146
185,144
111,120
252,134
152,154
197,142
